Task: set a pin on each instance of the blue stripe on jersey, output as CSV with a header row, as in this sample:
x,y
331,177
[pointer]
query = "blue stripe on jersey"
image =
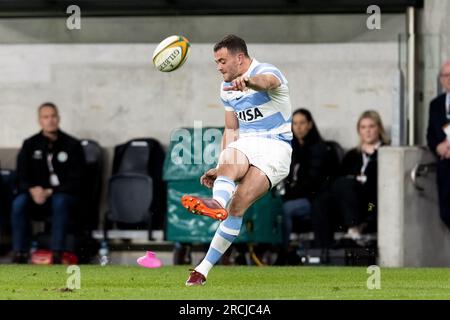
x,y
266,67
261,66
226,103
267,123
250,101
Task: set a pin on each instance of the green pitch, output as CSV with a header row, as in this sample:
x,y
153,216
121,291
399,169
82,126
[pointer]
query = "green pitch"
x,y
134,282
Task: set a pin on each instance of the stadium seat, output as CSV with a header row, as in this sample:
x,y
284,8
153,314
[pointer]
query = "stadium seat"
x,y
145,156
129,198
134,187
92,185
7,190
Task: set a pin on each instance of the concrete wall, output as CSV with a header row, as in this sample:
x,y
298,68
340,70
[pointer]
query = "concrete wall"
x,y
102,78
112,93
317,28
410,231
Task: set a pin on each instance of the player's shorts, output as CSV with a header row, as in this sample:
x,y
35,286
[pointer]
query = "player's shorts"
x,y
273,157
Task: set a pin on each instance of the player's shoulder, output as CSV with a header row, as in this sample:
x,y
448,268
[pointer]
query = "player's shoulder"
x,y
438,101
263,66
267,68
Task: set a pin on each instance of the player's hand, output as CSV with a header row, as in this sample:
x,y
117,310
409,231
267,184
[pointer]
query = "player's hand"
x,y
443,148
447,155
208,178
238,84
38,195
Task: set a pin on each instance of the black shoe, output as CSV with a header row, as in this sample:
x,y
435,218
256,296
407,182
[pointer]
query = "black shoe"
x,y
21,257
57,257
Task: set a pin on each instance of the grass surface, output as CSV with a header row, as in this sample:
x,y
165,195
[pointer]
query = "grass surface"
x,y
134,282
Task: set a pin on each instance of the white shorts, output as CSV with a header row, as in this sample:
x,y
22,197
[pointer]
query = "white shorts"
x,y
273,157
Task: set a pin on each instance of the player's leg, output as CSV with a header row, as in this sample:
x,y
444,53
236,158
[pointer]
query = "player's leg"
x,y
252,186
233,165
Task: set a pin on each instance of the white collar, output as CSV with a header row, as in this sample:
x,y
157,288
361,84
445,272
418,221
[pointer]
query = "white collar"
x,y
251,67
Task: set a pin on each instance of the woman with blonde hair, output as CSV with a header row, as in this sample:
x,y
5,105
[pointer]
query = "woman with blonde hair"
x,y
356,189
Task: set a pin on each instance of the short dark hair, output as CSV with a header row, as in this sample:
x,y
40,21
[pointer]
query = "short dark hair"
x,y
48,104
232,43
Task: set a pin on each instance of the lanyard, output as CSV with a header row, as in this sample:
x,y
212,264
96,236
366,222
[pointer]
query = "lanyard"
x,y
366,160
49,163
54,181
447,106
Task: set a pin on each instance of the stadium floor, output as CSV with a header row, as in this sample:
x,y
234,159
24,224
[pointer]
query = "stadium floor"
x,y
134,282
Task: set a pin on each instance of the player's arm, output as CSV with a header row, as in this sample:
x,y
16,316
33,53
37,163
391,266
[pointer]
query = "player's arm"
x,y
259,82
231,132
262,82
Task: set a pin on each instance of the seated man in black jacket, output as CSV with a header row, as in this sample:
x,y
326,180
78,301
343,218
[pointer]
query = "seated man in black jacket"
x,y
49,169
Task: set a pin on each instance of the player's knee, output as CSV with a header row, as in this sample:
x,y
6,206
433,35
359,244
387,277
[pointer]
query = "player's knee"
x,y
232,156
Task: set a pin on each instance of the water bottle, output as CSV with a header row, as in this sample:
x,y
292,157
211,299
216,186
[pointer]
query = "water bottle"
x,y
103,253
34,247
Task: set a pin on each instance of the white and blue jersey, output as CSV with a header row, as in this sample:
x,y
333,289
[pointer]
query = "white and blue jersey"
x,y
265,114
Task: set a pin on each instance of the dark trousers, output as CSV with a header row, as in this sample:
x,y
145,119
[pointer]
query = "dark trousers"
x,y
443,182
300,207
325,218
59,205
356,203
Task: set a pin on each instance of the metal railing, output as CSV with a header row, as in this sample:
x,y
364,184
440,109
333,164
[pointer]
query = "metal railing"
x,y
421,170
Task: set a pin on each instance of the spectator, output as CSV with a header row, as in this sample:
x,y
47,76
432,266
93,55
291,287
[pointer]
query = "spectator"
x,y
438,137
355,191
307,173
49,168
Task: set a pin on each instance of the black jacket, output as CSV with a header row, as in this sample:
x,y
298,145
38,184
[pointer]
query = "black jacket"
x,y
307,172
436,120
68,163
351,167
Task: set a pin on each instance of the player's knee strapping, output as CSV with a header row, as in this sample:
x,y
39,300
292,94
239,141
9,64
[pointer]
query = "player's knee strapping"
x,y
223,190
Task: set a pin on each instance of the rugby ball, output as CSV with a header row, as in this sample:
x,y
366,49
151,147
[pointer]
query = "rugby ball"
x,y
171,53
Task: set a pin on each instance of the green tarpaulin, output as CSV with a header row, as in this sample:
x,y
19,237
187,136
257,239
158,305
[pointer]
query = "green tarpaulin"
x,y
193,151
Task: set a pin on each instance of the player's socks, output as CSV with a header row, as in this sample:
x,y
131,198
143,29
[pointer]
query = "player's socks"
x,y
226,233
223,190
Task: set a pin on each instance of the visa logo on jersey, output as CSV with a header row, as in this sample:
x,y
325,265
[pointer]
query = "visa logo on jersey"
x,y
249,114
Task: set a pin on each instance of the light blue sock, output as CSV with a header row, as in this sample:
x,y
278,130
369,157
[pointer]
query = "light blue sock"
x,y
223,190
226,233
